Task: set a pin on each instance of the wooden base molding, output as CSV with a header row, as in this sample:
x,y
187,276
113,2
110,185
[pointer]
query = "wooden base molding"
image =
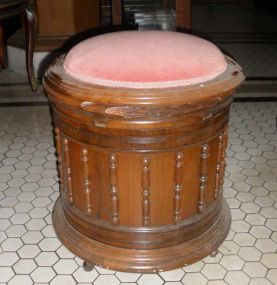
x,y
134,260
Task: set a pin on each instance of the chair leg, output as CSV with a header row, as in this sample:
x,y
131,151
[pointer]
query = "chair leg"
x,y
30,31
183,15
165,4
2,49
88,266
116,12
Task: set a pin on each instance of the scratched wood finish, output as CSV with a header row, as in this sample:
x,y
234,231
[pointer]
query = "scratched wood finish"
x,y
142,176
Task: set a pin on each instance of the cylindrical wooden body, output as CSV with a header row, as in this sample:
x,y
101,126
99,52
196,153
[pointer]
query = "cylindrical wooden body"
x,y
141,169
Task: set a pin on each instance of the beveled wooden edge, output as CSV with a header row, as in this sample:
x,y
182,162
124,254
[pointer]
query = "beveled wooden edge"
x,y
144,261
57,83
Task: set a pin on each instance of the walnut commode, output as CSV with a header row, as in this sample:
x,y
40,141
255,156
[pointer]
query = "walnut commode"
x,y
141,169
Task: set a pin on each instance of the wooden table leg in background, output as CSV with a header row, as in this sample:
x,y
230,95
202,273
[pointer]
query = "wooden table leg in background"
x,y
30,31
2,51
183,15
165,4
116,12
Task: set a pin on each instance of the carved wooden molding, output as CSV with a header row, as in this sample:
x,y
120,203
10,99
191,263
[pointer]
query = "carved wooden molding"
x,y
68,171
150,140
59,154
145,182
114,189
86,182
203,176
178,179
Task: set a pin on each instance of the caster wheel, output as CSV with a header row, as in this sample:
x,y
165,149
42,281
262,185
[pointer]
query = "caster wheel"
x,y
88,266
214,253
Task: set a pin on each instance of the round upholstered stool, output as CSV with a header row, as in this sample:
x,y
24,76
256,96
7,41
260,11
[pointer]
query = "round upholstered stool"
x,y
141,130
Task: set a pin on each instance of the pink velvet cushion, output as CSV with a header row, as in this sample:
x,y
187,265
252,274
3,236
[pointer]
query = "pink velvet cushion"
x,y
145,59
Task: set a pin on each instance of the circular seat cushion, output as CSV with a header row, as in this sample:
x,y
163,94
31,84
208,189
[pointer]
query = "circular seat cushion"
x,y
145,59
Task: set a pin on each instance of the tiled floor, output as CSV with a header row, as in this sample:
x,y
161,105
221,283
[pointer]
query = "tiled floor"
x,y
31,253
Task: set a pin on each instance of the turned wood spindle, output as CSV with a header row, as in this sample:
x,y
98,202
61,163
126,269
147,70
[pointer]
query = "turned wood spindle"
x,y
220,154
178,179
114,189
203,176
59,156
86,182
146,192
223,160
68,171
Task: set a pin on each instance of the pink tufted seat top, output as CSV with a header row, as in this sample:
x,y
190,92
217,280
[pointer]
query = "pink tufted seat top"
x,y
145,59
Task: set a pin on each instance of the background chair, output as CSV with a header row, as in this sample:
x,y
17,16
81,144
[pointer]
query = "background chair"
x,y
11,8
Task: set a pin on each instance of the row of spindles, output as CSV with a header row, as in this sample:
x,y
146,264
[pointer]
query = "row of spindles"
x,y
63,159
